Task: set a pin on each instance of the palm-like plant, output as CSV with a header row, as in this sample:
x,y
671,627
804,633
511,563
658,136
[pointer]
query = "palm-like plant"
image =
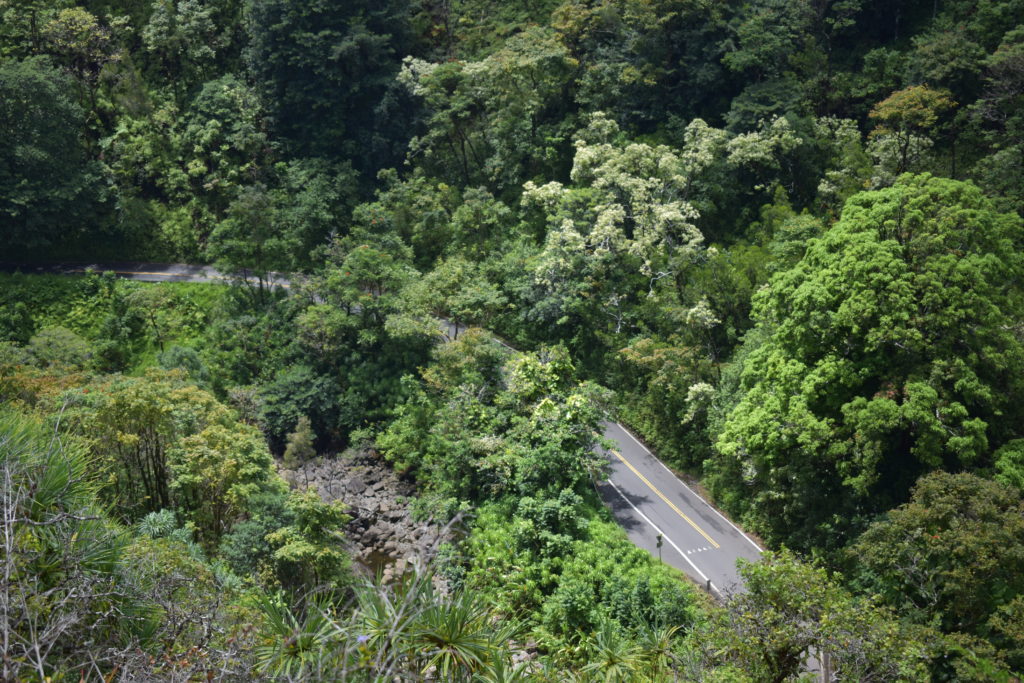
x,y
61,583
408,631
503,670
657,647
381,622
613,657
411,630
294,649
452,638
158,524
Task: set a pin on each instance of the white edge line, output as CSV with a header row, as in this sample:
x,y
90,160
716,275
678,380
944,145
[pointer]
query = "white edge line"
x,y
630,434
663,535
710,506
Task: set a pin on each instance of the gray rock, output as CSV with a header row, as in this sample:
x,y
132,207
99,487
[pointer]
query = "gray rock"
x,y
380,506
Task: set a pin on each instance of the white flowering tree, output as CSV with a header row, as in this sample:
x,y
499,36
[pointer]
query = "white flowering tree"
x,y
628,221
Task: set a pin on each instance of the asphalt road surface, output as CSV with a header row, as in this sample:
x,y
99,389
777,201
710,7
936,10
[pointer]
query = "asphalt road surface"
x,y
646,498
649,501
143,272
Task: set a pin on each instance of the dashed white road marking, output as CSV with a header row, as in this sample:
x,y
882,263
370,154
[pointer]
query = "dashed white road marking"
x,y
712,507
665,536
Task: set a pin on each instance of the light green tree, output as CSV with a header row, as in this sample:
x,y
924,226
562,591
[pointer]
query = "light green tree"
x,y
84,46
310,550
214,473
132,424
889,351
300,449
906,129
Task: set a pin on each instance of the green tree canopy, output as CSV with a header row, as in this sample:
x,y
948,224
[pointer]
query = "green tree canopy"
x,y
323,69
791,610
951,556
49,188
214,474
131,424
891,350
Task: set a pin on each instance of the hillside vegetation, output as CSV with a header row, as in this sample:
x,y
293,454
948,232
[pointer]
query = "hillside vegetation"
x,y
780,239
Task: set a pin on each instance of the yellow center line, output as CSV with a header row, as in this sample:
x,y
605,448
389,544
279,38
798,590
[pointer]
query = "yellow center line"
x,y
662,496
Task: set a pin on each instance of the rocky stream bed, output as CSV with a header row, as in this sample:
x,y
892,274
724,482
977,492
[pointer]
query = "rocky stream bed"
x,y
383,534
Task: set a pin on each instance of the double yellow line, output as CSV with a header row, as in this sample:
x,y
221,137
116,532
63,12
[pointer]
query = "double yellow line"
x,y
662,496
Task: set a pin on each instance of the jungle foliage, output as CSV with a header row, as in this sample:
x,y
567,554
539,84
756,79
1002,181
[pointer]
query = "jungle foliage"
x,y
781,239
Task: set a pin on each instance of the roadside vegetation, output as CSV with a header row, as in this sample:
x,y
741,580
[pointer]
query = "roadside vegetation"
x,y
780,240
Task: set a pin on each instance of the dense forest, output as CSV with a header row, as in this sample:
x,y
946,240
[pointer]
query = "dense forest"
x,y
782,240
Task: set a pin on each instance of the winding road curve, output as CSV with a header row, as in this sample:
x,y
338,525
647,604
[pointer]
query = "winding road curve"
x,y
650,502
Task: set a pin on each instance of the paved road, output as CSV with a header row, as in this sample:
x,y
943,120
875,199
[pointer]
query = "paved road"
x,y
646,498
144,272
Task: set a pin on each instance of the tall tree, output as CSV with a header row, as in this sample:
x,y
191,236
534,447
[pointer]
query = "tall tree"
x,y
500,120
891,349
790,610
49,187
300,448
214,474
628,223
249,242
951,556
132,424
324,71
906,122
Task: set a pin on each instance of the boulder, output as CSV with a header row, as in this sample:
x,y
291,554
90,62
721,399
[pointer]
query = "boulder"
x,y
380,505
